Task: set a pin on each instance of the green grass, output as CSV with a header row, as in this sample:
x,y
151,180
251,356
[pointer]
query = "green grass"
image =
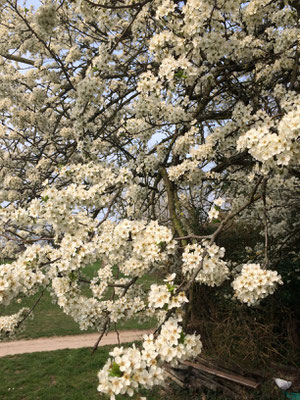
x,y
50,320
72,375
56,375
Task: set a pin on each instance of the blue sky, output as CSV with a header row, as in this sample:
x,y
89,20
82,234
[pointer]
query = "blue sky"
x,y
35,3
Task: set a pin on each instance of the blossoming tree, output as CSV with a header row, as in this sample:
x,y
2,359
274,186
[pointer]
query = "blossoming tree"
x,y
129,126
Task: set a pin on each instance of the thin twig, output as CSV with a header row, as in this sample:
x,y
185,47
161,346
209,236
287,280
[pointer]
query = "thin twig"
x,y
174,378
101,335
192,236
109,207
32,308
114,7
266,263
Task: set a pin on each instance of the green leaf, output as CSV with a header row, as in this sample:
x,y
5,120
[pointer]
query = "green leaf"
x,y
115,370
216,221
180,74
170,287
182,337
73,276
45,198
162,245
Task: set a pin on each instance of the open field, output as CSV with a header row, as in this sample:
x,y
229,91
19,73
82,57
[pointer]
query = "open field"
x,y
72,375
59,375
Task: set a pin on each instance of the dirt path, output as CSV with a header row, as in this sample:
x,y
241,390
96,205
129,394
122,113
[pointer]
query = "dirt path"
x,y
67,342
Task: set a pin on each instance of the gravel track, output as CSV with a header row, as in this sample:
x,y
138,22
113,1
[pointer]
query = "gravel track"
x,y
67,342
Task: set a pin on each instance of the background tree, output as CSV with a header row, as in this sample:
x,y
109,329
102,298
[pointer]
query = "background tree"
x,y
135,133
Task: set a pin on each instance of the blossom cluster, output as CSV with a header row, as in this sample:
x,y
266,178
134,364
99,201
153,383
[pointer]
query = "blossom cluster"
x,y
214,212
9,323
133,247
166,296
254,283
46,18
213,271
23,276
132,368
272,143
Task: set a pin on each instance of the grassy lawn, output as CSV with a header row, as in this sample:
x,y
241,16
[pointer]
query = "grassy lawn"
x,y
72,375
49,319
56,375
